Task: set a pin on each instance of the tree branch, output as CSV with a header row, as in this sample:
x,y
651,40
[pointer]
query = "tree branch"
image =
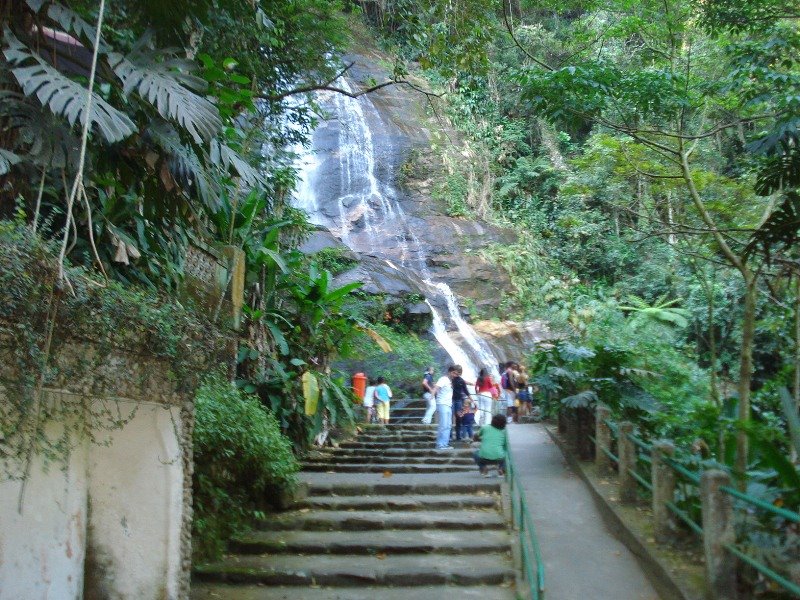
x,y
327,86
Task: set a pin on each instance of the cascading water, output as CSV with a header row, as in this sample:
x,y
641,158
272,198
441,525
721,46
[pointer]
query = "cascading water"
x,y
369,219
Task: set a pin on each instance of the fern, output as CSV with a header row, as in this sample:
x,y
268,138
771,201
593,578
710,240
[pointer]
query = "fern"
x,y
63,96
663,311
166,82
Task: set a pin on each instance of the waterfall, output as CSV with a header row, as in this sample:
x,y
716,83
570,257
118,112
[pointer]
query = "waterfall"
x,y
369,219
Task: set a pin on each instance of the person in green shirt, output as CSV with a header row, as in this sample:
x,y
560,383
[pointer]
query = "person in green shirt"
x,y
494,446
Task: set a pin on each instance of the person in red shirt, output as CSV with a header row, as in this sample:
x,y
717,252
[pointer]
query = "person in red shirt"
x,y
487,391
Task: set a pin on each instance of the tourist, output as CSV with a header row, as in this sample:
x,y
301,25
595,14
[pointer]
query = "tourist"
x,y
487,391
427,394
467,419
494,446
369,402
382,396
523,393
509,388
443,393
460,394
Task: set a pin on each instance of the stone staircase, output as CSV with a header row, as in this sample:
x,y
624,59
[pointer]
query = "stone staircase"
x,y
386,517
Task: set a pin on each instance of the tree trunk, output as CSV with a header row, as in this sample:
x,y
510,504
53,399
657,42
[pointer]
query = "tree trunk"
x,y
745,372
796,386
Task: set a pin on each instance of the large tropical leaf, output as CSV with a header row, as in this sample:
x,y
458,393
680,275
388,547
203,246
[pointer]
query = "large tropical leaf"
x,y
63,96
7,160
167,82
227,158
580,400
184,164
72,22
310,392
44,138
376,337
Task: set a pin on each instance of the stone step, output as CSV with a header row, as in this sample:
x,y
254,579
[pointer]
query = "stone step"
x,y
401,502
408,436
398,427
382,445
370,520
347,570
386,541
431,451
222,591
394,460
475,485
332,467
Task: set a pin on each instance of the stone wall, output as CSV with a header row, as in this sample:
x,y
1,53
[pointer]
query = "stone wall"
x,y
114,520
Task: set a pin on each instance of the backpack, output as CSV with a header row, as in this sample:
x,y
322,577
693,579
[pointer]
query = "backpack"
x,y
504,381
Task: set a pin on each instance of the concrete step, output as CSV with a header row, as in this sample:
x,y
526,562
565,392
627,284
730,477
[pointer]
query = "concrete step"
x,y
430,459
371,520
222,591
401,502
398,427
473,485
333,467
386,541
396,438
383,445
463,451
347,570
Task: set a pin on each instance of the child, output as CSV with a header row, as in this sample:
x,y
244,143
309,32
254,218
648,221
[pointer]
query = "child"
x,y
467,419
382,396
494,446
369,402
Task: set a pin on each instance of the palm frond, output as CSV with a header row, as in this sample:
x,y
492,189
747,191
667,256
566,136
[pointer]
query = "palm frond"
x,y
63,96
166,82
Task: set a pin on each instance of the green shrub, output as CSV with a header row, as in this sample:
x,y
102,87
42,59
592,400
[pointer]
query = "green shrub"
x,y
242,463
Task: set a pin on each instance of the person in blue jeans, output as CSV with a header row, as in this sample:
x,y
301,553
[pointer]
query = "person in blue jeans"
x,y
467,419
460,395
443,392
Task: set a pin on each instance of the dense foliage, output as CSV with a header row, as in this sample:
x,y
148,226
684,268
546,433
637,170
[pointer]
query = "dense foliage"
x,y
39,318
243,463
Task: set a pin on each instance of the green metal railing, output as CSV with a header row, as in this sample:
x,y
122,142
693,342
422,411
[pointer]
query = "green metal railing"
x,y
692,478
529,551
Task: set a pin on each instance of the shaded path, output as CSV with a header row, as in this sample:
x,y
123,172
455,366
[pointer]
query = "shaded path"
x,y
583,560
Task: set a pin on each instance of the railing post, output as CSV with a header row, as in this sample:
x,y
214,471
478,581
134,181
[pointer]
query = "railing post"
x,y
663,478
627,463
602,436
718,531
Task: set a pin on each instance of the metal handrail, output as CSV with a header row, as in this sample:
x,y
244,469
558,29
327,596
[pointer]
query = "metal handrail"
x,y
763,569
694,478
781,512
528,543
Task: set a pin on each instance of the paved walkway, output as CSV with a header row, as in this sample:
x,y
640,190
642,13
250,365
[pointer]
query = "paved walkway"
x,y
583,560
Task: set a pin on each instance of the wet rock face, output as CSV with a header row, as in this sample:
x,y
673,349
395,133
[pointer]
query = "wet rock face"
x,y
404,168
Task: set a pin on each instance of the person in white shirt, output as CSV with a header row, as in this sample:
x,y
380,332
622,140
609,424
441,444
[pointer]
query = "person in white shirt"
x,y
369,402
427,394
443,392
